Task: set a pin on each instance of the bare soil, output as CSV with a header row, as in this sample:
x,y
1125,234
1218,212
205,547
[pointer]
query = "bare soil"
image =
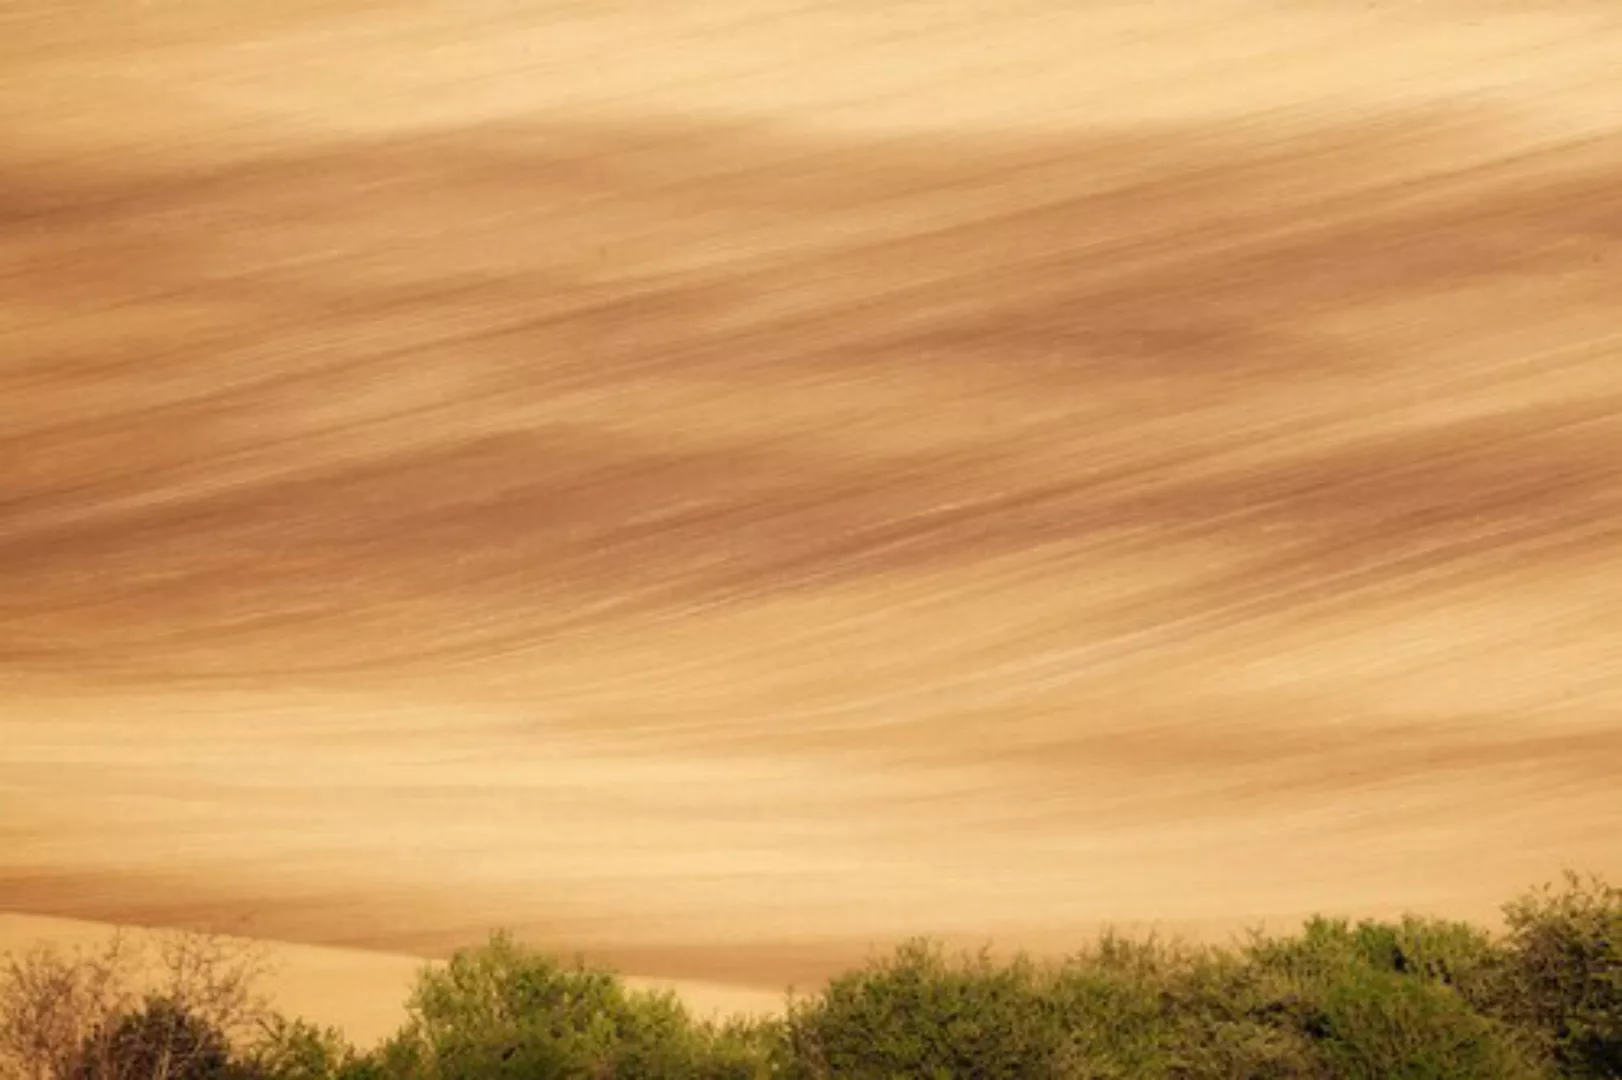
x,y
722,486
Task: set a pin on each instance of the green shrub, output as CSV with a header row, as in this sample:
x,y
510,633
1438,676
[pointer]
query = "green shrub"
x,y
1561,975
1145,1010
1367,1002
1122,1009
298,1050
918,1014
1378,1025
1397,1000
1431,950
507,1011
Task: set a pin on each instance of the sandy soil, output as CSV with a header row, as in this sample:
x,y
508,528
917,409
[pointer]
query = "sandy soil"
x,y
719,486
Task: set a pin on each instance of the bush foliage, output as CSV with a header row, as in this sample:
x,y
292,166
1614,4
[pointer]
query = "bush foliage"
x,y
1417,999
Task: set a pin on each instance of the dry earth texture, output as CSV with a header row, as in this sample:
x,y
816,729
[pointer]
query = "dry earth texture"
x,y
720,485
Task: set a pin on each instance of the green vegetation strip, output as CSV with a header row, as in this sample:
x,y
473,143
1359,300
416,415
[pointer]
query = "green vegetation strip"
x,y
1419,999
